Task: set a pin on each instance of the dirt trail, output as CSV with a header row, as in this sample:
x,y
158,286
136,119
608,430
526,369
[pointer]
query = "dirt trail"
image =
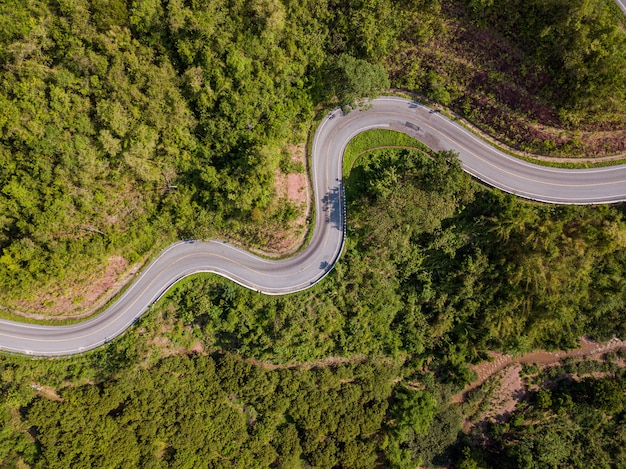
x,y
500,361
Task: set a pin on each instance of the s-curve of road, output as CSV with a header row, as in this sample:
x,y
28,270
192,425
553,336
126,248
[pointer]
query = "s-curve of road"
x,y
277,277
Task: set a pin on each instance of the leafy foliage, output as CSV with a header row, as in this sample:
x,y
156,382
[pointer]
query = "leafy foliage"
x,y
545,76
124,125
218,411
433,266
581,44
356,79
127,124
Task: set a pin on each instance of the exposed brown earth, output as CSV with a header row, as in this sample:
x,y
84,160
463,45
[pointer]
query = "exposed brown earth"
x,y
47,392
511,389
296,187
292,188
505,397
80,299
540,357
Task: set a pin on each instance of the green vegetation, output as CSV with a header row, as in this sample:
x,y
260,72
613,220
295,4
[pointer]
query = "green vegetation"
x,y
218,412
124,125
581,44
374,139
544,76
354,80
437,271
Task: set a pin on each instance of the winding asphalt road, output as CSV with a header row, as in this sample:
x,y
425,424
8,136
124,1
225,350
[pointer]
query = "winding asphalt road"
x,y
278,277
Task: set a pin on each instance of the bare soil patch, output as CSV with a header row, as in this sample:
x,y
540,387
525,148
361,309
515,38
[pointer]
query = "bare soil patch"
x,y
504,399
78,299
506,386
500,361
47,392
292,188
297,187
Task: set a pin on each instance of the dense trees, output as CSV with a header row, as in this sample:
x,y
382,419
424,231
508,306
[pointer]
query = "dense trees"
x,y
218,411
126,124
545,76
86,145
434,265
355,79
581,44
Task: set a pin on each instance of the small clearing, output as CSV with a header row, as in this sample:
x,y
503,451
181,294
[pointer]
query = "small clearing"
x,y
500,361
292,188
509,388
504,399
47,392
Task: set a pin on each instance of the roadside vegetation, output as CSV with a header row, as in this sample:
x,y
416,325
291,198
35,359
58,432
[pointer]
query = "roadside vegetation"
x,y
377,139
360,370
544,77
125,126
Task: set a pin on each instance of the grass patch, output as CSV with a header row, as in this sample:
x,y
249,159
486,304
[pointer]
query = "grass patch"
x,y
375,139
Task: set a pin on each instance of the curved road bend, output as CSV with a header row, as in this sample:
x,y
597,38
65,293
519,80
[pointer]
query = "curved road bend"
x,y
277,277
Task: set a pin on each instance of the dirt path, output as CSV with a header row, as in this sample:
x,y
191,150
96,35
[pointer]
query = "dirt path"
x,y
587,348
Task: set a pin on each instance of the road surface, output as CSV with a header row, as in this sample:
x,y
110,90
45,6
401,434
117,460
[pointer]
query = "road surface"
x,y
277,277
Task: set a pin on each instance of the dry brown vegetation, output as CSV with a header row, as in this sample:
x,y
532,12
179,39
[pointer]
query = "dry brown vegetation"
x,y
489,79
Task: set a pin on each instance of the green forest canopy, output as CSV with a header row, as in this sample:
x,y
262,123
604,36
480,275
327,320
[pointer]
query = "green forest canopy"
x,y
125,125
